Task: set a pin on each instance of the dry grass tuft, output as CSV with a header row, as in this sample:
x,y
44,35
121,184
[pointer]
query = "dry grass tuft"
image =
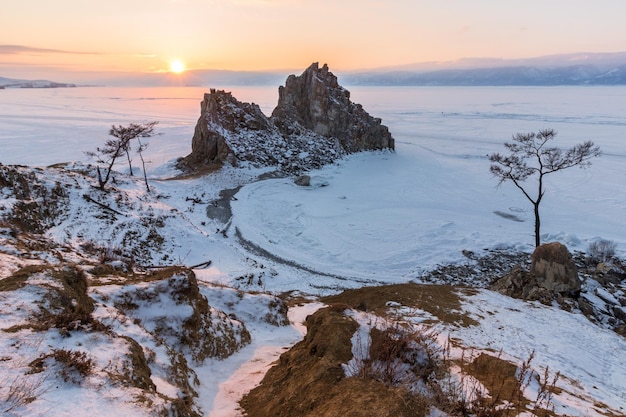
x,y
19,277
74,365
21,392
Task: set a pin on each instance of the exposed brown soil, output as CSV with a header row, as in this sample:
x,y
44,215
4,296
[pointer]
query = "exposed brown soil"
x,y
499,377
442,301
19,277
308,380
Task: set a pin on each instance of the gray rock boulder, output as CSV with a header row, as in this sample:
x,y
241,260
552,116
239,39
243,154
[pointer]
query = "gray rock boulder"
x,y
303,181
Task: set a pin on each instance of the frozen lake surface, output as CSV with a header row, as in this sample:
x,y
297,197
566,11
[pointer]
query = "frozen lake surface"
x,y
45,126
381,213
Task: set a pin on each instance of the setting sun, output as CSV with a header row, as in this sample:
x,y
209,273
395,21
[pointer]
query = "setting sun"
x,y
177,66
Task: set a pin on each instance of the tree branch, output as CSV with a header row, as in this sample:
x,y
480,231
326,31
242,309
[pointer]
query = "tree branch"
x,y
104,206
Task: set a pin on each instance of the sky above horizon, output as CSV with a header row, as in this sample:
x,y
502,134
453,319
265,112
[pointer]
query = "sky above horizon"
x,y
42,37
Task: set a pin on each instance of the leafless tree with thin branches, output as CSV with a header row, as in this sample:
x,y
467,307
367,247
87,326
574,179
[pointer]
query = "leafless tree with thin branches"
x,y
530,156
121,145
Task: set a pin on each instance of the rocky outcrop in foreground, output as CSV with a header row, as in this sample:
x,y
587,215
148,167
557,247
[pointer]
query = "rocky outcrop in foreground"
x,y
552,273
596,289
313,124
309,379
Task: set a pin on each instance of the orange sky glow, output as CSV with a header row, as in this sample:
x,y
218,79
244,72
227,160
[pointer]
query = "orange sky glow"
x,y
41,36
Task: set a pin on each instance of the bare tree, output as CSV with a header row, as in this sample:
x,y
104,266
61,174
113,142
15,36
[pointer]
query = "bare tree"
x,y
142,147
108,154
529,156
121,145
126,134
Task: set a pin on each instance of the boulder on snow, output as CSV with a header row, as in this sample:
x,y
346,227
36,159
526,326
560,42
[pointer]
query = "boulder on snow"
x,y
313,124
554,269
303,181
553,274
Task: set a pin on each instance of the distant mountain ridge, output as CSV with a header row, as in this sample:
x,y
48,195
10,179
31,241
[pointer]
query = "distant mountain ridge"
x,y
17,83
600,60
562,69
495,76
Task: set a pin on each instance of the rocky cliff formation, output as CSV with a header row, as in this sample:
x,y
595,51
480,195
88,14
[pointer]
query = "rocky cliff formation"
x,y
313,124
316,102
223,121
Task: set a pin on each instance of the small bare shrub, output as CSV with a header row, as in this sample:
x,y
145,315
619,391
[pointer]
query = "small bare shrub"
x,y
545,395
75,365
601,250
71,306
401,354
404,354
22,391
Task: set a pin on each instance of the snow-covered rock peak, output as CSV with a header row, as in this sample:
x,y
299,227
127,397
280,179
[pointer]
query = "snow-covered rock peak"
x,y
314,123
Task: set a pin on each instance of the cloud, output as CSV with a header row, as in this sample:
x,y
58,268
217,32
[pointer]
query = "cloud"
x,y
20,49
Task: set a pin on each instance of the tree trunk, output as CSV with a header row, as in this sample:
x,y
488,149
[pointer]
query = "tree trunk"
x,y
143,163
101,183
145,178
537,225
130,164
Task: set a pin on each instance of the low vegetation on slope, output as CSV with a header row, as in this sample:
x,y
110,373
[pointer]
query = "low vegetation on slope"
x,y
141,335
392,351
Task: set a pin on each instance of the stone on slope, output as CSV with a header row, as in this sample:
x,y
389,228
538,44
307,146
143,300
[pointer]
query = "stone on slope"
x,y
554,269
552,274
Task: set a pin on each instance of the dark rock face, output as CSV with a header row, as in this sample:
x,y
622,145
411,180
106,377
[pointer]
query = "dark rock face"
x,y
315,101
552,274
223,121
314,123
